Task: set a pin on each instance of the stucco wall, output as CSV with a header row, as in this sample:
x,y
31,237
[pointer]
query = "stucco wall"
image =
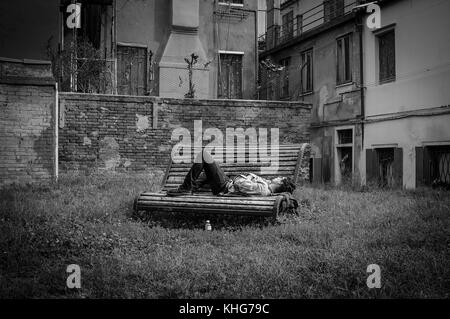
x,y
149,23
407,134
231,33
421,86
422,58
134,133
334,105
145,23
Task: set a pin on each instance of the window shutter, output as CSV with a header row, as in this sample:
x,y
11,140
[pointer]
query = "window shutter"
x,y
371,165
317,170
426,166
419,166
326,169
398,167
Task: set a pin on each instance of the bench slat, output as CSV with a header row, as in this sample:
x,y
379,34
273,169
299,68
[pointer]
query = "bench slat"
x,y
221,211
214,200
223,165
210,197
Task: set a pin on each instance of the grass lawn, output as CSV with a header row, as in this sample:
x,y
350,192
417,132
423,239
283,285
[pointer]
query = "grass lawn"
x,y
324,252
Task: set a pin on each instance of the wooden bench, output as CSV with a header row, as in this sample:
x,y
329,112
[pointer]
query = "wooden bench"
x,y
290,160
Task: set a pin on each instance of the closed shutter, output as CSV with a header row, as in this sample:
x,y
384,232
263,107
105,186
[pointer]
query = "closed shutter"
x,y
132,70
317,170
426,166
371,165
230,76
419,166
398,167
326,169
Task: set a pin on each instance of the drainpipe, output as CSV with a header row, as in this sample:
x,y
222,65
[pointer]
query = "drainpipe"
x,y
360,26
56,146
114,43
256,53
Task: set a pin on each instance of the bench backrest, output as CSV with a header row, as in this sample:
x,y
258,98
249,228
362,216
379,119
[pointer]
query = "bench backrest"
x,y
289,163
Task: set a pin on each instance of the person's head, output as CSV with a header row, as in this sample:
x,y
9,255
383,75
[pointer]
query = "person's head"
x,y
282,185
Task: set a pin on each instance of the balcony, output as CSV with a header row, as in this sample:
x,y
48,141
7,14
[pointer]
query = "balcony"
x,y
312,19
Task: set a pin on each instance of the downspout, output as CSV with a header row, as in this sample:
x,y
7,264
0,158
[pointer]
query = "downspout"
x,y
56,146
114,41
361,73
256,53
216,50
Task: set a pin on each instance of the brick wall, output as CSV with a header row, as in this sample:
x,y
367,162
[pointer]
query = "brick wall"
x,y
134,133
27,101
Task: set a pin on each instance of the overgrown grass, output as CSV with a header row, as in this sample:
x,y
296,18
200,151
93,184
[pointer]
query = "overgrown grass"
x,y
322,253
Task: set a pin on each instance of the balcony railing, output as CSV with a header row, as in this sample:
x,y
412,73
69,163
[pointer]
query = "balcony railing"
x,y
309,20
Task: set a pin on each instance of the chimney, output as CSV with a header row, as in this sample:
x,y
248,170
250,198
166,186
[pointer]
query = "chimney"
x,y
273,22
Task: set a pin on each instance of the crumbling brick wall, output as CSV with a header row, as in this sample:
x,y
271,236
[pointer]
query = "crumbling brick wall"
x,y
134,133
27,139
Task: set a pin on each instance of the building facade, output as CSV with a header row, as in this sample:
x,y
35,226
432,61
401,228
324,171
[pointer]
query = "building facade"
x,y
312,53
380,94
178,48
407,98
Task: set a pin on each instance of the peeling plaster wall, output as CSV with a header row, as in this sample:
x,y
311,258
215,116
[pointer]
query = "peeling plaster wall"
x,y
128,133
334,105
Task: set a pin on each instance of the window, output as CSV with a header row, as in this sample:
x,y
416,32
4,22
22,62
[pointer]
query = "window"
x,y
344,155
386,56
384,166
333,9
345,136
299,24
344,60
287,25
307,71
433,166
230,76
284,77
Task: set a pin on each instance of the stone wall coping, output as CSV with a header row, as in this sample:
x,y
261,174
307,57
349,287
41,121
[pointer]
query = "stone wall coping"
x,y
199,102
25,61
19,80
26,72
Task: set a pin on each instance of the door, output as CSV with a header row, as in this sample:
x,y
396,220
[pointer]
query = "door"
x,y
131,70
230,76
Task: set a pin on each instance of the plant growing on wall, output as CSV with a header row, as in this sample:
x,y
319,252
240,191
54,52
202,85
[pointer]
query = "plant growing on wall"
x,y
80,67
190,66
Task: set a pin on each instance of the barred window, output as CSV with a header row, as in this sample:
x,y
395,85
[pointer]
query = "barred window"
x,y
344,60
386,56
284,77
299,24
333,9
345,136
307,71
287,25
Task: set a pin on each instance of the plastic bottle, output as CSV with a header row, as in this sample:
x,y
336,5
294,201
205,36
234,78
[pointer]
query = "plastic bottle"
x,y
208,226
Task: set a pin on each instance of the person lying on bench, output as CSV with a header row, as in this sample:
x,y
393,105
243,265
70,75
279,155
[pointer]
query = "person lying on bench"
x,y
243,184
